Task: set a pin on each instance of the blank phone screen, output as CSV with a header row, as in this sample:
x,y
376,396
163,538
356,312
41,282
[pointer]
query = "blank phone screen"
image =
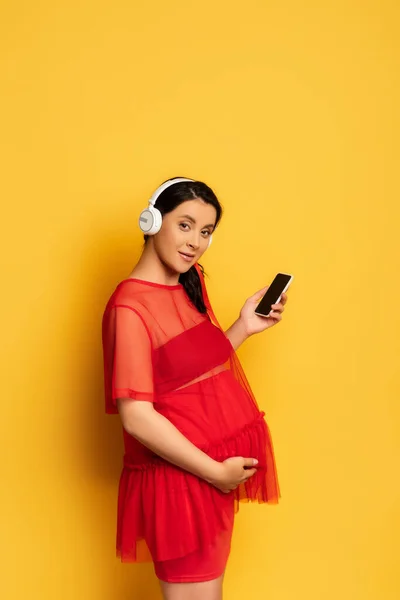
x,y
272,294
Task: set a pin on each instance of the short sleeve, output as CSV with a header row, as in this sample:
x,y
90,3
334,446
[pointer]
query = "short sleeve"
x,y
127,351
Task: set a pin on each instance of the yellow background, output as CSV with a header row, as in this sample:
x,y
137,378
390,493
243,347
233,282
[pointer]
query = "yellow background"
x,y
290,111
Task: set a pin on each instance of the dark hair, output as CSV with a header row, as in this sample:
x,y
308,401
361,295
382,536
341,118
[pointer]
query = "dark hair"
x,y
168,200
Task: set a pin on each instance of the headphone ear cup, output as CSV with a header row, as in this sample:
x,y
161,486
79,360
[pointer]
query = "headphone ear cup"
x,y
150,220
157,220
209,241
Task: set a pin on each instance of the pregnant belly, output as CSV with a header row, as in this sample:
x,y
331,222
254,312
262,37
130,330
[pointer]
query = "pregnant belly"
x,y
209,410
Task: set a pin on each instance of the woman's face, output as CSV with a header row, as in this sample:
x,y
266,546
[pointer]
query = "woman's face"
x,y
185,231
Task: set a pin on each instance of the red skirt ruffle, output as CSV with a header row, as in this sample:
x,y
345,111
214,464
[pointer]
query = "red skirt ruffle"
x,y
165,513
204,564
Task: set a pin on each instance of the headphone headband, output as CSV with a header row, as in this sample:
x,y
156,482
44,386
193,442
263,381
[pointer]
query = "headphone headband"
x,y
164,186
150,219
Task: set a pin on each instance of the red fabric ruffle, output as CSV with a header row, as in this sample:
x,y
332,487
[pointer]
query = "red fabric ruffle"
x,y
166,513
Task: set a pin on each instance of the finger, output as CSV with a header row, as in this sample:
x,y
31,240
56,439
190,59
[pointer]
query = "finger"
x,y
278,307
249,473
231,488
276,316
224,490
249,462
258,295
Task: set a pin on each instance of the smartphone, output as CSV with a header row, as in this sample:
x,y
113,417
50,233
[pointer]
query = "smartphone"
x,y
273,294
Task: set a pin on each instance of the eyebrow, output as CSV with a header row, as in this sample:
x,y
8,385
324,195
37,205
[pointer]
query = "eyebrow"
x,y
194,220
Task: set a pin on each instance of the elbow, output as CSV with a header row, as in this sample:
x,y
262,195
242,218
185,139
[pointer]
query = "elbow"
x,y
134,415
128,427
130,424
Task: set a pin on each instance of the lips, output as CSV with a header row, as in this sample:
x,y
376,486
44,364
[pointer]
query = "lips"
x,y
187,257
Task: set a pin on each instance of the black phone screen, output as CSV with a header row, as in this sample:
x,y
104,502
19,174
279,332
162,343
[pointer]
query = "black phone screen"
x,y
272,294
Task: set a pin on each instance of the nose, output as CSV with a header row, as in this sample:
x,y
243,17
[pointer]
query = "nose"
x,y
195,242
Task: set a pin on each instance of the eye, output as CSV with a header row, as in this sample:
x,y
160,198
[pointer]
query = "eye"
x,y
183,225
207,231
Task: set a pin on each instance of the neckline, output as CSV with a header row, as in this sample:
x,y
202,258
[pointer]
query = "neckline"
x,y
153,283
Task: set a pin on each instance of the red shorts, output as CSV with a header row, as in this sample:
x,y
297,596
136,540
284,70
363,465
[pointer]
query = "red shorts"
x,y
202,565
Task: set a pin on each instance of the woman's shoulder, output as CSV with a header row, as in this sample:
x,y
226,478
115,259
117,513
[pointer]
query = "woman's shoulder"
x,y
128,307
150,300
127,293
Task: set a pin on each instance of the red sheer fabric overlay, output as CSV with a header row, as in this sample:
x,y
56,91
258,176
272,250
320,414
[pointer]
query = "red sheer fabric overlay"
x,y
157,347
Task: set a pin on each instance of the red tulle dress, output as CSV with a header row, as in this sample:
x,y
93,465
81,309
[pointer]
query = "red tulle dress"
x,y
159,348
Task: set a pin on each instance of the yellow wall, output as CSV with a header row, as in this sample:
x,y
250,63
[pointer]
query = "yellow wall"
x,y
290,111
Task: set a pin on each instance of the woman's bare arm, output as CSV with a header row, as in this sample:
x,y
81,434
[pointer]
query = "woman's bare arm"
x,y
236,333
153,430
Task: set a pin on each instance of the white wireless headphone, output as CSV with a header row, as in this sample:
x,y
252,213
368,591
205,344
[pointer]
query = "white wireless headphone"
x,y
150,219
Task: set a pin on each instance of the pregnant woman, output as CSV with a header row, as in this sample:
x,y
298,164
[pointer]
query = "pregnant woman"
x,y
195,440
